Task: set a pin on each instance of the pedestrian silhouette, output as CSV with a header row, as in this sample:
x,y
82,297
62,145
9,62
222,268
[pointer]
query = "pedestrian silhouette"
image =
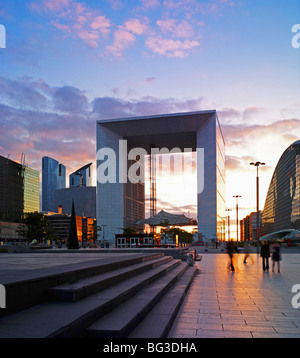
x,y
276,257
230,250
247,253
265,254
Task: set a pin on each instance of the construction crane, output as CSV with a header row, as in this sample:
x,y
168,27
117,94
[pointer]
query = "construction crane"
x,y
152,180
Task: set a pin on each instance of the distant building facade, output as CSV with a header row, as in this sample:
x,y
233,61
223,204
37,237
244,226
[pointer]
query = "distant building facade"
x,y
282,205
248,226
84,200
31,190
19,190
60,224
82,176
53,178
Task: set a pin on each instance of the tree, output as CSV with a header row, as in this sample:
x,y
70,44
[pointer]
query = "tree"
x,y
129,231
183,236
96,229
73,238
34,226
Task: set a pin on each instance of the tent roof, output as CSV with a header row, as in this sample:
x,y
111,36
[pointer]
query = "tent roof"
x,y
164,217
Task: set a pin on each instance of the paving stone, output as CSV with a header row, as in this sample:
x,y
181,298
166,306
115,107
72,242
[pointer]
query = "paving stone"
x,y
247,303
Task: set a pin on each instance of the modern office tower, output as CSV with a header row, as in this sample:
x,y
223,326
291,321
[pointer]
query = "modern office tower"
x,y
53,178
84,200
31,190
19,190
11,190
82,176
282,205
120,139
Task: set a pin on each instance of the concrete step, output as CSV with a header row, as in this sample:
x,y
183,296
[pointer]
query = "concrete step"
x,y
126,318
72,292
70,319
159,321
29,287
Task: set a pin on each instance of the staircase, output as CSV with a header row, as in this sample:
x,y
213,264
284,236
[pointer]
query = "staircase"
x,y
136,298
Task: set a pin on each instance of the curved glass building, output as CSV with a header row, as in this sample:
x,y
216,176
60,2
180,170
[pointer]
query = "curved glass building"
x,y
282,206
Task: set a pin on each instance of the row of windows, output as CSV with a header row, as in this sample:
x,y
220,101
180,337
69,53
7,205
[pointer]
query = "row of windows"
x,y
282,206
19,189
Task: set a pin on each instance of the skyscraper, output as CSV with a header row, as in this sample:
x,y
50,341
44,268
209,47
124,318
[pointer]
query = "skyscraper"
x,y
31,190
82,176
53,178
19,189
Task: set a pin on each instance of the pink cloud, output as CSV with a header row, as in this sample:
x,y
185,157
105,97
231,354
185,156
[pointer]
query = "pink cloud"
x,y
149,79
135,26
62,27
116,4
124,36
122,40
101,23
77,19
170,47
150,4
50,5
177,29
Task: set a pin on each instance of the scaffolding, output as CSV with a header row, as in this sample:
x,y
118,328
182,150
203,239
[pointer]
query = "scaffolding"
x,y
152,181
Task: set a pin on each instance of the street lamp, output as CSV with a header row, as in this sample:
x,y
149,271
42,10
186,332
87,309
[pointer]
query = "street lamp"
x,y
237,218
257,164
228,224
103,232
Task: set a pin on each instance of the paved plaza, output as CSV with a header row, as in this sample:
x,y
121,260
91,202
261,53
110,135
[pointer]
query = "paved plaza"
x,y
246,303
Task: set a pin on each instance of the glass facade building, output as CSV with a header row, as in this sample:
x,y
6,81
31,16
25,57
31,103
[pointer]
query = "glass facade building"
x,y
53,178
11,190
31,190
84,200
19,190
82,176
121,203
282,205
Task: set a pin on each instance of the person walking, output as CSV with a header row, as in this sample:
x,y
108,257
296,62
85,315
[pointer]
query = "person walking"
x,y
276,257
265,254
230,251
247,252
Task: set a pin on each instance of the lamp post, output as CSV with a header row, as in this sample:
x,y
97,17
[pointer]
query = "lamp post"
x,y
237,218
257,164
103,232
228,224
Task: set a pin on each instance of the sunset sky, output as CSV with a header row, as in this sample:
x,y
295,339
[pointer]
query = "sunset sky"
x,y
68,63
